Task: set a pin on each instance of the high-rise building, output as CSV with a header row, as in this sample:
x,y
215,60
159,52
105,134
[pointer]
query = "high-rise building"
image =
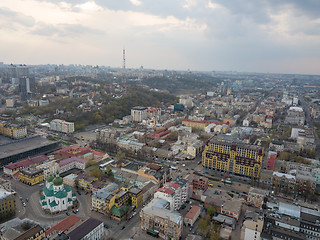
x,y
233,157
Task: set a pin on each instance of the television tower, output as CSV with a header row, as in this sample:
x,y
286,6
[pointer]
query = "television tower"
x,y
124,66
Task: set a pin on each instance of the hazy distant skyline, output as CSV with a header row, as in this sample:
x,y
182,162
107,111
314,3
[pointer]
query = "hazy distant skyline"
x,y
279,36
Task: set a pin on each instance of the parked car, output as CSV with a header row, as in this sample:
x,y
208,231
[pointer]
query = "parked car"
x,y
123,227
67,213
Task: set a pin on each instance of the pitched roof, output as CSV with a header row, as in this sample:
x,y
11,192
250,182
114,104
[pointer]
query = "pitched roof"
x,y
165,190
85,228
192,212
27,162
30,233
64,224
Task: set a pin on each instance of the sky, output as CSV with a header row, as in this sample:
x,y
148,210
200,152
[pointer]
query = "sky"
x,y
274,36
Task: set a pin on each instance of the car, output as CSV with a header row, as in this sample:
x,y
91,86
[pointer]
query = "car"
x,y
75,211
41,184
27,199
21,198
78,192
187,168
24,204
123,227
67,213
219,186
106,226
206,173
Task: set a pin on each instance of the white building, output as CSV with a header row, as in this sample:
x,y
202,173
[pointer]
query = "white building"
x,y
62,126
138,114
49,168
56,197
176,193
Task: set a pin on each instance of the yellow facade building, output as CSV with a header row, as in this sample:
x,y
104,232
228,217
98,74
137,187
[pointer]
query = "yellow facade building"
x,y
13,130
7,204
31,176
232,157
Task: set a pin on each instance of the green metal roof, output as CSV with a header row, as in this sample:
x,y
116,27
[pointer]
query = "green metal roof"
x,y
73,194
53,204
44,203
42,197
68,188
69,200
119,211
47,192
61,194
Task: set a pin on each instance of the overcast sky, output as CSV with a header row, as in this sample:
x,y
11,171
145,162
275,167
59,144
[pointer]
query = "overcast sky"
x,y
280,36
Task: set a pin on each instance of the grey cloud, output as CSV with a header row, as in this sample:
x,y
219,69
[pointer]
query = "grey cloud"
x,y
16,17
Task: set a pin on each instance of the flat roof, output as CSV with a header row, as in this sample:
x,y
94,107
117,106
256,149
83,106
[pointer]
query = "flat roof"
x,y
23,145
193,211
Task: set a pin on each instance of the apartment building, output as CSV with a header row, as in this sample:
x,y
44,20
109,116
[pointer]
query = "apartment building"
x,y
230,156
13,130
158,221
99,198
31,176
199,183
7,204
176,193
62,126
139,114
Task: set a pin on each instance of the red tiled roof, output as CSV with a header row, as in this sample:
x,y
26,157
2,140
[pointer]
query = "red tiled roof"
x,y
97,153
64,224
192,212
73,151
165,190
174,185
27,162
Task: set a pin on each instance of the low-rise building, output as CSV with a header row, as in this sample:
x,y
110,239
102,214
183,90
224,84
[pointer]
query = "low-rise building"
x,y
71,163
62,226
192,216
256,197
49,168
85,182
91,229
13,168
31,176
70,180
35,233
161,222
232,209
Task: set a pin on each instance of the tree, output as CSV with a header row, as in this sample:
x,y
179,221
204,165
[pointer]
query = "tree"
x,y
284,156
214,234
203,225
211,211
109,171
120,155
91,163
96,172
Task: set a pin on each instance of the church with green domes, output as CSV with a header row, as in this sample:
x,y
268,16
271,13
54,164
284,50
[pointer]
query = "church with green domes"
x,y
56,197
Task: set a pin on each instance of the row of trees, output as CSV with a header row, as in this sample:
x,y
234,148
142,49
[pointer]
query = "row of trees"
x,y
209,230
